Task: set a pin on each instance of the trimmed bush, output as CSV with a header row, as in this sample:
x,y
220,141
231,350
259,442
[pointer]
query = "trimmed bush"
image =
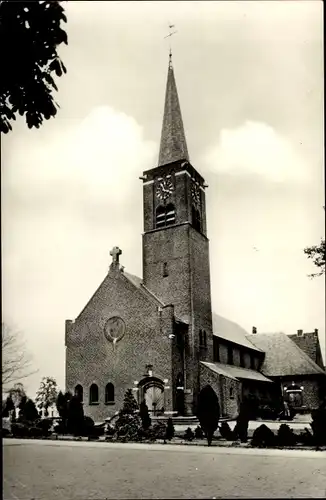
x,y
144,415
36,432
208,412
189,435
306,438
263,437
286,436
226,432
128,423
170,430
199,434
45,425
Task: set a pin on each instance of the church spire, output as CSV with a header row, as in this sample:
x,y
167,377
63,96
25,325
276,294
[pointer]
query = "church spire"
x,y
173,140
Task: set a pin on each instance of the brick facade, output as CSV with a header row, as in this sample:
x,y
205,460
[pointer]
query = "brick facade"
x,y
228,391
309,343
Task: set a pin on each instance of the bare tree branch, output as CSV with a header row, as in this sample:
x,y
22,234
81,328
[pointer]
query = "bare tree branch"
x,y
16,362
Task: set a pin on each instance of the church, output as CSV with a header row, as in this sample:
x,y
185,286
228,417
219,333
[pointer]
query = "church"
x,y
157,334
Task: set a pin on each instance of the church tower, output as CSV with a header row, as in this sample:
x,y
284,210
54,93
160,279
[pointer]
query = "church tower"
x,y
175,243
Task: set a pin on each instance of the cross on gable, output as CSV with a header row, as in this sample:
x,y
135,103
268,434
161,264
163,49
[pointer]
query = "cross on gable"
x,y
115,252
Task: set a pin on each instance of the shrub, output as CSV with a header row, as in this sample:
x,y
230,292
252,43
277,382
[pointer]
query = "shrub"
x,y
45,425
318,426
19,430
35,432
226,432
285,436
306,438
28,411
159,431
88,426
109,431
189,435
199,434
208,412
169,429
263,437
144,415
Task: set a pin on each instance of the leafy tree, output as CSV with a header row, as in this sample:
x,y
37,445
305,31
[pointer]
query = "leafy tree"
x,y
75,418
208,412
47,394
17,394
16,362
144,415
32,32
317,255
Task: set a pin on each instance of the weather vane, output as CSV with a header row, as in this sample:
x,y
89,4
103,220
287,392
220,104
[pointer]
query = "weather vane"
x,y
171,26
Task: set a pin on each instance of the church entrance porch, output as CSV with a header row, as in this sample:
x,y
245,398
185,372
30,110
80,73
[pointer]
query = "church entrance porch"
x,y
152,391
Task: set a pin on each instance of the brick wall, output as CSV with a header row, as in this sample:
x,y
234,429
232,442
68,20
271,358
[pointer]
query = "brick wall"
x,y
309,343
228,390
311,397
90,358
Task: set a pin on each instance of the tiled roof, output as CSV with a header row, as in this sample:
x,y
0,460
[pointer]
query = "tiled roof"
x,y
173,140
235,372
228,330
283,357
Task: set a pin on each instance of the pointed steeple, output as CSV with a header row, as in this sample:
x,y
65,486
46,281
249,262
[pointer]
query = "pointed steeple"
x,y
173,140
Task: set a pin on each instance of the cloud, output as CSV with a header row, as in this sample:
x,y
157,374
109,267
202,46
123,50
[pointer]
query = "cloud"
x,y
256,148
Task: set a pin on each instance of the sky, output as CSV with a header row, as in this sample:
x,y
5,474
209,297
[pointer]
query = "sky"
x,y
250,84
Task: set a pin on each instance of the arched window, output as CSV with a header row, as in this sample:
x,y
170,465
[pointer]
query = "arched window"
x,y
204,338
165,216
109,393
201,338
93,394
79,392
196,222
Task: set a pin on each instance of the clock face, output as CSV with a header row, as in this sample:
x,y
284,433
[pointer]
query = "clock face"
x,y
164,188
195,191
114,329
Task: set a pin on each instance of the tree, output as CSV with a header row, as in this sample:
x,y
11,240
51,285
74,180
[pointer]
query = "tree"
x,y
16,362
128,422
28,411
62,405
208,412
7,407
144,416
317,255
47,394
75,417
31,31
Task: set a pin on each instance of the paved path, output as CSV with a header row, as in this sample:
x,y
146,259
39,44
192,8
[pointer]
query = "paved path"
x,y
87,470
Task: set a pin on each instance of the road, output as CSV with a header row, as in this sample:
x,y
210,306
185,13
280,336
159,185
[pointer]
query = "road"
x,y
88,470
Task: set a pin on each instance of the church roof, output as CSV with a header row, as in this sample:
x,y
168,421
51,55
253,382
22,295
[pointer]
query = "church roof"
x,y
173,145
235,372
228,330
283,357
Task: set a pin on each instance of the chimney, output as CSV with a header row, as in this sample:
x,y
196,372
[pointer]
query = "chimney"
x,y
316,331
254,329
300,332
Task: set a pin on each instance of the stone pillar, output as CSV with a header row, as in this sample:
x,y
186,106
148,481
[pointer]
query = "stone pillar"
x,y
188,395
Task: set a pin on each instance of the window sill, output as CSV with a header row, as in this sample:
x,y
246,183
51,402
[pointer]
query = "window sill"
x,y
94,403
108,403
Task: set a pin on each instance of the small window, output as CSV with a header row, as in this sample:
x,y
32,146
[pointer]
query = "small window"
x,y
196,222
230,355
205,338
165,270
165,215
109,393
216,350
93,394
201,338
231,393
79,392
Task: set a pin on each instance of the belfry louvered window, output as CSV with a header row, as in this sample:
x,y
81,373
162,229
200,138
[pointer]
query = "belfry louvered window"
x,y
165,216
